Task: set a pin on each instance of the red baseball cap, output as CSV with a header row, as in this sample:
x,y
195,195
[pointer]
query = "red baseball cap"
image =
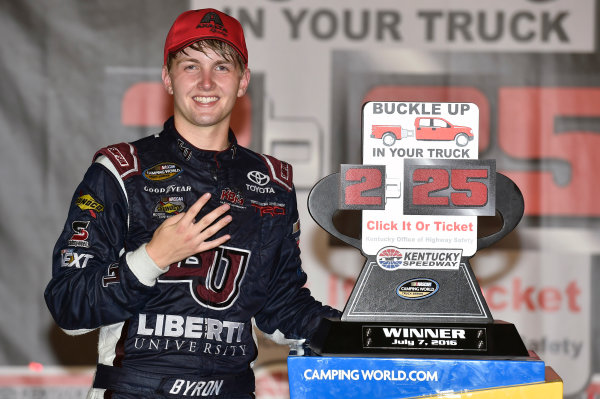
x,y
208,23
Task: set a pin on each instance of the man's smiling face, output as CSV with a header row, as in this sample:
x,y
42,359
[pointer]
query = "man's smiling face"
x,y
205,87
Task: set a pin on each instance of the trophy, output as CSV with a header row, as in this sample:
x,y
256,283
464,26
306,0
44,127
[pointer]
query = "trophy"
x,y
416,306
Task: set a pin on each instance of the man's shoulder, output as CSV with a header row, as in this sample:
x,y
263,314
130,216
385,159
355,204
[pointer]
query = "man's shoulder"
x,y
125,156
279,171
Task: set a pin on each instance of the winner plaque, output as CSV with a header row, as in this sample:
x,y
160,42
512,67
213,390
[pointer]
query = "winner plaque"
x,y
416,306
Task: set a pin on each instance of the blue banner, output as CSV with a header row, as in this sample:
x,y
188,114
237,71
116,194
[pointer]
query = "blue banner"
x,y
377,378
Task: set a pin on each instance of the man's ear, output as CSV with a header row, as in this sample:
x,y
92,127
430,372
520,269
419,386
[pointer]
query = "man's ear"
x,y
166,78
244,82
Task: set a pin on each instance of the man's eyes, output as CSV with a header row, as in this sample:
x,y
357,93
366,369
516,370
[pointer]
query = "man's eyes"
x,y
223,68
220,67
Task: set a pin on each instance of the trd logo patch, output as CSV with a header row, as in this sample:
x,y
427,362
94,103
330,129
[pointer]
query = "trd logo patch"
x,y
266,209
214,277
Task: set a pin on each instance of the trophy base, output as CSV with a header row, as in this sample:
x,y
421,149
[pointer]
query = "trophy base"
x,y
486,340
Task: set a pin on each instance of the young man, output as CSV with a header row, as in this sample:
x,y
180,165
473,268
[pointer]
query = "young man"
x,y
175,242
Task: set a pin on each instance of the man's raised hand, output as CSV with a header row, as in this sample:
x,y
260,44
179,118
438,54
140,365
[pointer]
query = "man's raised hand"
x,y
180,236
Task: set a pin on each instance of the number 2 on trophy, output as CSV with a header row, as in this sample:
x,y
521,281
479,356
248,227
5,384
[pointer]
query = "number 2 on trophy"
x,y
362,187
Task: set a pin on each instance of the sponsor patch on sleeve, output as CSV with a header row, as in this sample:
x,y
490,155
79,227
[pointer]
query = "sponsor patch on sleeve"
x,y
80,234
296,227
70,258
280,172
86,202
124,157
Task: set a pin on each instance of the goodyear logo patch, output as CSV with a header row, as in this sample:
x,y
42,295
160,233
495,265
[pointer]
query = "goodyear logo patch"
x,y
162,171
87,203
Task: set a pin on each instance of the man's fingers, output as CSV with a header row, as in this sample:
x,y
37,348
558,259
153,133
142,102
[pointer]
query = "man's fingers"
x,y
206,245
193,210
174,219
209,218
214,228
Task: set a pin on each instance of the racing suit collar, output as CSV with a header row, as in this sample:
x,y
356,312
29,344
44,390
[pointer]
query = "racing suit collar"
x,y
189,152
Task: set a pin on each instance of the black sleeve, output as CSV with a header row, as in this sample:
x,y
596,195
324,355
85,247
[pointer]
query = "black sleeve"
x,y
92,284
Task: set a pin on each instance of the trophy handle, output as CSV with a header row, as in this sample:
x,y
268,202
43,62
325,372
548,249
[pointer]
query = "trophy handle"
x,y
322,205
510,206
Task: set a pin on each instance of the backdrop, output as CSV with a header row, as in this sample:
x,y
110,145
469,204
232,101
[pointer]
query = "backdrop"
x,y
79,75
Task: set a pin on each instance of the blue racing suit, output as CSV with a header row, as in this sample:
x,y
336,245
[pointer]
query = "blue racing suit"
x,y
186,331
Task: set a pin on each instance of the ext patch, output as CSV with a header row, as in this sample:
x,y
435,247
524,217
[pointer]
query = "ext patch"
x,y
73,259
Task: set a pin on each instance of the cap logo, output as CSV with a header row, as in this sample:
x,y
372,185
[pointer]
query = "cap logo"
x,y
213,22
206,24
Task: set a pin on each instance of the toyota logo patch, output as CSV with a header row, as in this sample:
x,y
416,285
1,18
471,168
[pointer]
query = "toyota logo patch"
x,y
258,178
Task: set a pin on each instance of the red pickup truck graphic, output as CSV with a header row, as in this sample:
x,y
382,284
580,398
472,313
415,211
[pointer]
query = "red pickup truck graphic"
x,y
439,129
426,128
390,133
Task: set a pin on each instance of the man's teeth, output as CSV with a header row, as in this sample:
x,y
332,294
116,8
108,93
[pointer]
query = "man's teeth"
x,y
205,100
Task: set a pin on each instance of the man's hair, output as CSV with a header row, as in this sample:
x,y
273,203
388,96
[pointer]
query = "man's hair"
x,y
218,46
